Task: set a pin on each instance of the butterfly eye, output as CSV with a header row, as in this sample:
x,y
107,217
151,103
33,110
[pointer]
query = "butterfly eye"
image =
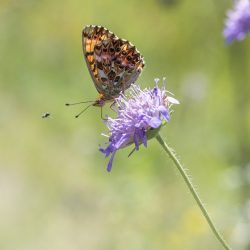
x,y
118,49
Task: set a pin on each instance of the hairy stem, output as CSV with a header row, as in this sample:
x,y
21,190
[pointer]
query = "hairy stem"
x,y
192,190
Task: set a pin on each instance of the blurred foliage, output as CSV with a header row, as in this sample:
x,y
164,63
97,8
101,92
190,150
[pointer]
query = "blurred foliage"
x,y
54,188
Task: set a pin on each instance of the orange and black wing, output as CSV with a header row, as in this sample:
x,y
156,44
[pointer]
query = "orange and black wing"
x,y
114,64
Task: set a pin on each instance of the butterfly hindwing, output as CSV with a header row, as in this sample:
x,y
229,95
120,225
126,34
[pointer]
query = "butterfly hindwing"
x,y
114,64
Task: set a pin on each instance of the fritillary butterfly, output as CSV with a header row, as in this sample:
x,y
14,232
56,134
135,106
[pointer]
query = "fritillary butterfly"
x,y
114,63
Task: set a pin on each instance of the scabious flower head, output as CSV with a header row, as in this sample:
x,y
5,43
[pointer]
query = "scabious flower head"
x,y
237,24
138,114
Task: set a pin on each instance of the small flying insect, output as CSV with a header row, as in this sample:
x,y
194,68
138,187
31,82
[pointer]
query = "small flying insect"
x,y
46,115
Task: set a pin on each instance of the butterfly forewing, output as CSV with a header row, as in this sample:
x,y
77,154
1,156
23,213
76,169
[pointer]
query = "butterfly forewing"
x,y
114,64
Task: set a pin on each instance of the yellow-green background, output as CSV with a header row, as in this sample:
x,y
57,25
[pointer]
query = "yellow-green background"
x,y
55,192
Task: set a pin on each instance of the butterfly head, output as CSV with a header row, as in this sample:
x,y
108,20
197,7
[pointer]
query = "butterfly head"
x,y
100,101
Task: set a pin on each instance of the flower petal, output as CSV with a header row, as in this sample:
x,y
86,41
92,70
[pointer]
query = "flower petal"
x,y
172,100
164,112
107,151
138,114
137,139
109,167
237,24
155,122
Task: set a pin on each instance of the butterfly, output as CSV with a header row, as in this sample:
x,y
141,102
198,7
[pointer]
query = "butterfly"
x,y
113,63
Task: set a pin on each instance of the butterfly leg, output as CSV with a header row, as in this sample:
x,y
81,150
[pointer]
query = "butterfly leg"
x,y
104,119
101,114
112,106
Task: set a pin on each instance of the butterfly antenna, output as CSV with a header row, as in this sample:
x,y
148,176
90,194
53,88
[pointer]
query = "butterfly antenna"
x,y
69,104
83,111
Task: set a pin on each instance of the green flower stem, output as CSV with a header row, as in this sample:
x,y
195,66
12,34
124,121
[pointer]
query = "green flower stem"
x,y
192,190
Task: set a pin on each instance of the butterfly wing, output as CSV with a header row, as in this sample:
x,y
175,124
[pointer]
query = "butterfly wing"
x,y
114,64
92,36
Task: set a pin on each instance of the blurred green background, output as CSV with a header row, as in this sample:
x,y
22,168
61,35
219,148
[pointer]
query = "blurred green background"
x,y
55,192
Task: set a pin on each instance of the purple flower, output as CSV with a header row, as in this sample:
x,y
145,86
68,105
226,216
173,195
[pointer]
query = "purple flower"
x,y
139,115
237,24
